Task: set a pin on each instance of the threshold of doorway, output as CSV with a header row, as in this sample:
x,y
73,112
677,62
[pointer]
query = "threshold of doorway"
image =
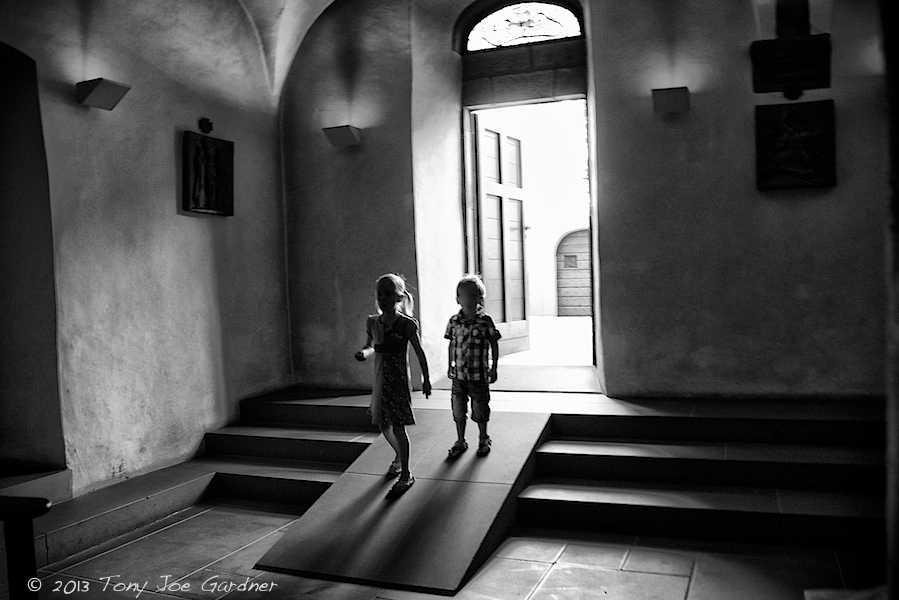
x,y
579,379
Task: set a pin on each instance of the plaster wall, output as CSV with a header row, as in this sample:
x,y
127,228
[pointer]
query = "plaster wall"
x,y
349,210
436,150
707,285
165,320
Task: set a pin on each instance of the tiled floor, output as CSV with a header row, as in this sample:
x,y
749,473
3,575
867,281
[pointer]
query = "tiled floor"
x,y
210,552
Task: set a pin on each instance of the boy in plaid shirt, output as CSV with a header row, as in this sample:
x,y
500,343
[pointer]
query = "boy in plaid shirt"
x,y
471,332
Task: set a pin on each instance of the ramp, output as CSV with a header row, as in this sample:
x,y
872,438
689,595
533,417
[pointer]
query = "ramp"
x,y
433,537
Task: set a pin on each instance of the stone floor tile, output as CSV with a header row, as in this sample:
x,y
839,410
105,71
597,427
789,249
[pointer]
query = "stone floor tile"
x,y
169,521
183,548
498,579
405,595
504,579
536,549
60,585
598,554
207,584
289,587
743,578
663,562
876,593
581,582
241,561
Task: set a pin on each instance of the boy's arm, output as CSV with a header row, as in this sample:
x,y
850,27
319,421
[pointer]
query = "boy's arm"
x,y
415,340
450,372
450,335
494,351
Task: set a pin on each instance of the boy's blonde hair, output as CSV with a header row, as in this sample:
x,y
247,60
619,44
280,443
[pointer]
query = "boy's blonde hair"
x,y
472,281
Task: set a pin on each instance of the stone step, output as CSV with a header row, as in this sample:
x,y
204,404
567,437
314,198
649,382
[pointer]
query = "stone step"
x,y
793,426
117,511
759,515
340,447
54,485
729,464
93,518
285,482
308,413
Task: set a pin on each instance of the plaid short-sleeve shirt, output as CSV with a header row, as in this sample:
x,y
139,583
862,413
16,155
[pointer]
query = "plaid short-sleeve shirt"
x,y
471,344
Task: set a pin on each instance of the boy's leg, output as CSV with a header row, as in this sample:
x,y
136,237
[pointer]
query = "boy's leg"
x,y
480,413
460,431
459,403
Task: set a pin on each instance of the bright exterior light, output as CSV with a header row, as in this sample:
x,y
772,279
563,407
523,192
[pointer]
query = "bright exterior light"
x,y
523,23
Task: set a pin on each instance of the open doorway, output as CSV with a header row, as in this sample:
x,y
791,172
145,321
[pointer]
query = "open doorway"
x,y
532,232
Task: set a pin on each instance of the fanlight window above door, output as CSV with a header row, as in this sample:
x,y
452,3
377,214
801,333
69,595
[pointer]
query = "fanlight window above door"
x,y
523,23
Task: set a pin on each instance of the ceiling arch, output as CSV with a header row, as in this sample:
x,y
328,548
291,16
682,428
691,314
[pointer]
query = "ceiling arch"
x,y
280,27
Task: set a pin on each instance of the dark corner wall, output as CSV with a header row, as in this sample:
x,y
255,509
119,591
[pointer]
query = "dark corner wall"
x,y
164,320
30,421
889,12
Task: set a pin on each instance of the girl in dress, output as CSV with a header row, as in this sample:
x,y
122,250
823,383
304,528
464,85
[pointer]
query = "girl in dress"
x,y
391,402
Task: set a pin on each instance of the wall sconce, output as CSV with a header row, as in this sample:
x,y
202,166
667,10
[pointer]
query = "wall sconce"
x,y
668,100
343,135
100,93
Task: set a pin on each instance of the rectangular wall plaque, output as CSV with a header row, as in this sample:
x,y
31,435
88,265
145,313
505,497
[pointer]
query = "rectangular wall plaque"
x,y
795,145
789,64
207,174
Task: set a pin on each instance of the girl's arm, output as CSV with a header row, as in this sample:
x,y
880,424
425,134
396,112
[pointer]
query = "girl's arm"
x,y
415,340
367,349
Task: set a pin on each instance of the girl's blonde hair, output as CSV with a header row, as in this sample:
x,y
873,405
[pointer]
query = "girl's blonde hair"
x,y
398,283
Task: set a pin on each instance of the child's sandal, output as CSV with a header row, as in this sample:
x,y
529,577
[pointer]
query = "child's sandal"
x,y
401,486
457,449
484,447
394,469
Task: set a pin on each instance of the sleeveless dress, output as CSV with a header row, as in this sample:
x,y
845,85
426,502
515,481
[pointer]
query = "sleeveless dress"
x,y
391,400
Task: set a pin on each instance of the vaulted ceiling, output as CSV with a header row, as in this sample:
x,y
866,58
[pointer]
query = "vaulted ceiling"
x,y
280,26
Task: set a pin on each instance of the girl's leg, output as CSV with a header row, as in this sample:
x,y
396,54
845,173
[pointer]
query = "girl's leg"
x,y
388,432
402,439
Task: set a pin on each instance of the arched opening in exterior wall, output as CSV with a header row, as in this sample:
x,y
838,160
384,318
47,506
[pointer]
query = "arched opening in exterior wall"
x,y
574,275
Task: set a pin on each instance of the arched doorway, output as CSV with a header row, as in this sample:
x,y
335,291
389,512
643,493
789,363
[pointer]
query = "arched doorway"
x,y
532,55
573,275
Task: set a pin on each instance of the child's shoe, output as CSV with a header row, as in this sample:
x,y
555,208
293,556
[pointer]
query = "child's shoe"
x,y
457,449
484,446
394,469
400,486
